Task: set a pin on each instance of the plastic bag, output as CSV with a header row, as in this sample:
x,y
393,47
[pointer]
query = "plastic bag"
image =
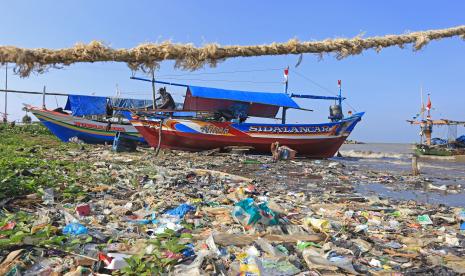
x,y
316,260
320,225
49,196
247,213
75,229
424,220
181,210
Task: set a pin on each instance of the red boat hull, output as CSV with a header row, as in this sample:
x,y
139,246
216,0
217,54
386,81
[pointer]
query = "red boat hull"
x,y
316,141
317,148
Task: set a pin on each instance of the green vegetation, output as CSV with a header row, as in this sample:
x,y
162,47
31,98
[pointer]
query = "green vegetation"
x,y
34,129
26,119
166,247
31,160
28,164
16,229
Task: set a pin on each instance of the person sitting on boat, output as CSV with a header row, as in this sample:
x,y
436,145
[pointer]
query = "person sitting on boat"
x,y
240,111
60,110
223,115
109,110
167,99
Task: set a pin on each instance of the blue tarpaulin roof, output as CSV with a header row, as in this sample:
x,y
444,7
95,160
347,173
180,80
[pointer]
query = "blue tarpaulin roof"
x,y
81,105
267,98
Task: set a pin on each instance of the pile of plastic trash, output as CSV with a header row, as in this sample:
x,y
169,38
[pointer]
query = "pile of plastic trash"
x,y
194,214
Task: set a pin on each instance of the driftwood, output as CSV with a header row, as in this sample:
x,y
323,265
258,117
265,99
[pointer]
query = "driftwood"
x,y
232,177
225,239
147,56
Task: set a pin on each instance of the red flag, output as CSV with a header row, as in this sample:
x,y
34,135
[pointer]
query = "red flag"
x,y
339,83
428,105
286,74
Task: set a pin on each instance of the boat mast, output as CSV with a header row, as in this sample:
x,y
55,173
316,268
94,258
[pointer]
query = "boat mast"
x,y
422,112
43,98
5,118
429,123
118,94
428,106
154,105
286,75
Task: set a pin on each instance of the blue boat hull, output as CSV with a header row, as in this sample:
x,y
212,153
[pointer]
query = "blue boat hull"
x,y
67,127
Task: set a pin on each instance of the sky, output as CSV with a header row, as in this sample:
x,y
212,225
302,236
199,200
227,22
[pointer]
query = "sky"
x,y
385,85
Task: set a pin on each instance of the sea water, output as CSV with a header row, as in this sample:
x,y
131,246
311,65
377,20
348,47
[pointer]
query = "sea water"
x,y
395,159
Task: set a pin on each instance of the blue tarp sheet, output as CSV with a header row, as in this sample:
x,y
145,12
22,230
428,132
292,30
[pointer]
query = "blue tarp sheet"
x,y
461,139
276,99
81,105
129,103
438,141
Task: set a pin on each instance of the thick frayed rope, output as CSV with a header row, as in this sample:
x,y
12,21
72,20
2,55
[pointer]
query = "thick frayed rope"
x,y
147,56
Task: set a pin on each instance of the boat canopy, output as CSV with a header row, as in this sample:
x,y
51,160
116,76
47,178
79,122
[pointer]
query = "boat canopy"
x,y
81,105
259,104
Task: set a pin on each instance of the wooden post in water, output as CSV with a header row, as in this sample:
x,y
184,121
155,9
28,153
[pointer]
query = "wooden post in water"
x,y
415,169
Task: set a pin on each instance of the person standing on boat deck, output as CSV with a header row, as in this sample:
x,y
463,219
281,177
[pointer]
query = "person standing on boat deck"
x,y
167,99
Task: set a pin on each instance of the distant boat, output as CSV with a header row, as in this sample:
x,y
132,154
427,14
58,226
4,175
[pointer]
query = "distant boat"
x,y
87,119
214,118
429,146
438,146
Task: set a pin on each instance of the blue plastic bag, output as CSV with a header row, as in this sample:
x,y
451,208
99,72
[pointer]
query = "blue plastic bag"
x,y
75,229
181,210
249,213
461,139
188,251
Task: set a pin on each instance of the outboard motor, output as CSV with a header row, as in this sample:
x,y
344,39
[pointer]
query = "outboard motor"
x,y
335,113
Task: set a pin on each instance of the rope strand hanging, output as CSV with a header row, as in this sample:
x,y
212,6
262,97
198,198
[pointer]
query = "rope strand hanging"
x,y
186,56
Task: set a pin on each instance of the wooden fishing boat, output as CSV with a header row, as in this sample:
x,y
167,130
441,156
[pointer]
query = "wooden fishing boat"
x,y
66,127
437,147
88,119
313,140
179,131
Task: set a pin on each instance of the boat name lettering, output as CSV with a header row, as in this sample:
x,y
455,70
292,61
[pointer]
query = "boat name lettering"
x,y
87,125
210,129
290,129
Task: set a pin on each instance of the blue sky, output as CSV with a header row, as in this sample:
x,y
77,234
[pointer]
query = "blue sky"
x,y
385,85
